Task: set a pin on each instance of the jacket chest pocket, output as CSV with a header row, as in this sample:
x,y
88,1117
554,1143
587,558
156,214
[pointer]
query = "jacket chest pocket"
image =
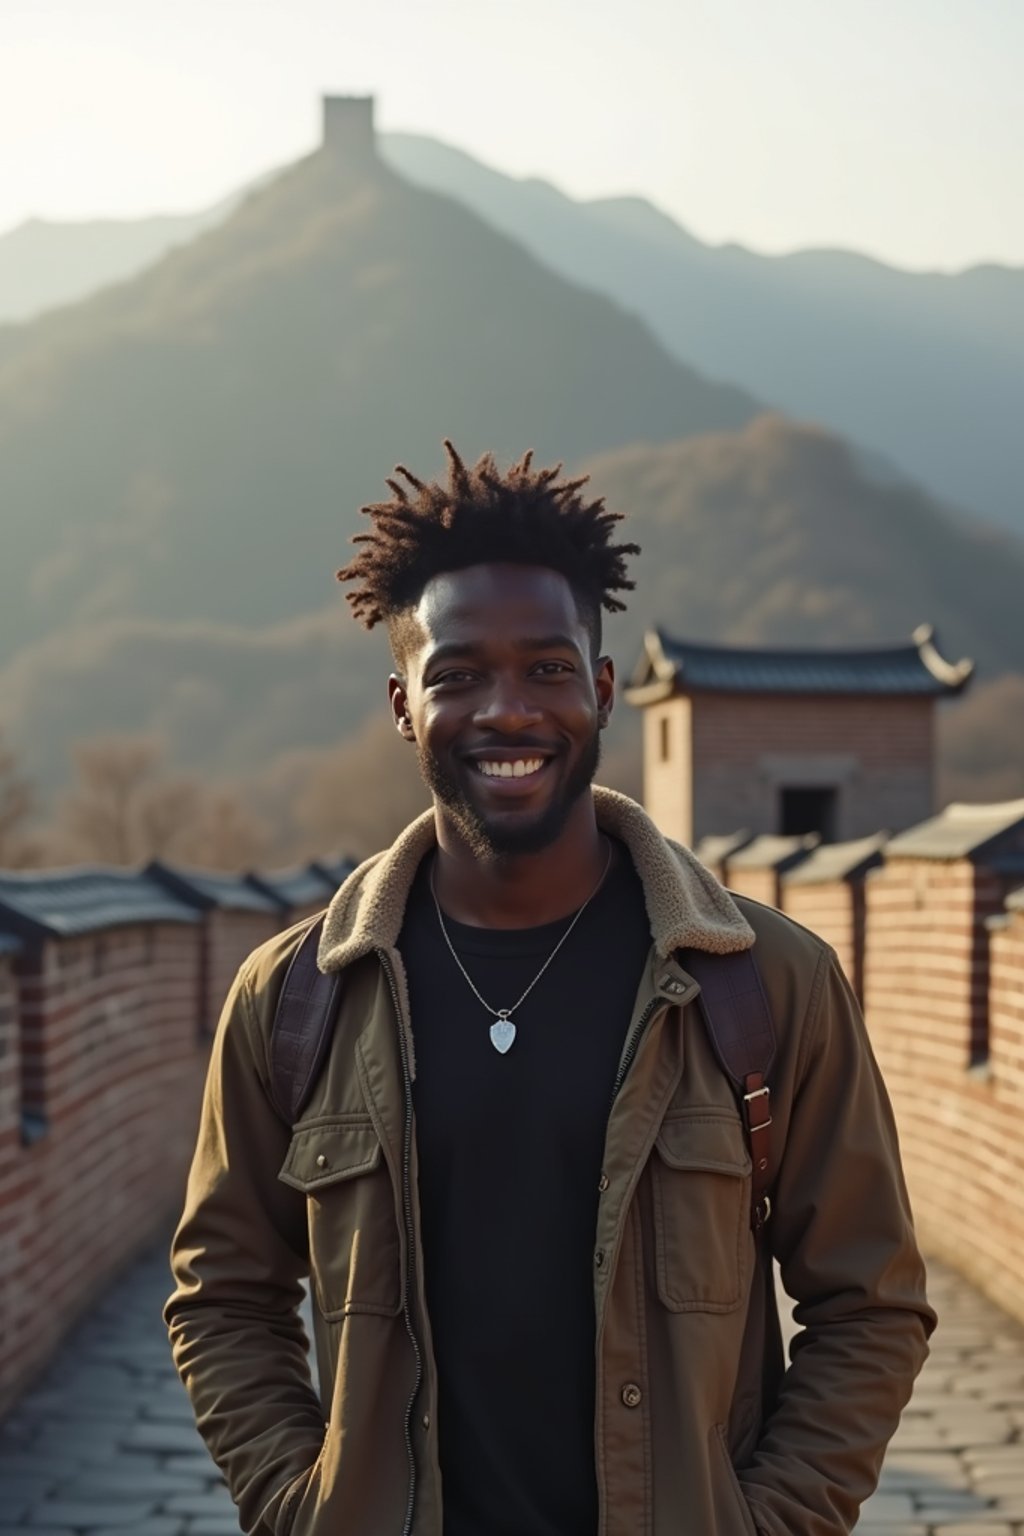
x,y
354,1253
701,1193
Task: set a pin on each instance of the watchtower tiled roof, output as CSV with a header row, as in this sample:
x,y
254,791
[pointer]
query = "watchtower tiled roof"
x,y
838,861
336,869
668,666
966,832
205,889
68,903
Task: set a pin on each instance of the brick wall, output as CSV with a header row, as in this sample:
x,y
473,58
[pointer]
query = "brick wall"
x,y
947,1042
104,1033
878,751
759,884
227,938
944,1003
1006,1031
102,1060
834,909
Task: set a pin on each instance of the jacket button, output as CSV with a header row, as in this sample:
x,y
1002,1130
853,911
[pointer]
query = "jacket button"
x,y
631,1395
426,1421
602,1183
321,1161
599,1258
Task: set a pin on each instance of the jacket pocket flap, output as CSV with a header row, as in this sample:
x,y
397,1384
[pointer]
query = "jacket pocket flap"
x,y
330,1151
705,1143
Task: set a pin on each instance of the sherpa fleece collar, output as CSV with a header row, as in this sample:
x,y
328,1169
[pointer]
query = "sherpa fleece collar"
x,y
687,907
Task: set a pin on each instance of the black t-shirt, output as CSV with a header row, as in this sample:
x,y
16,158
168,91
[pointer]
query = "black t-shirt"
x,y
510,1149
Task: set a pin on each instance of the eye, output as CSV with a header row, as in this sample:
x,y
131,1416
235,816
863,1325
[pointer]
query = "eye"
x,y
552,668
453,675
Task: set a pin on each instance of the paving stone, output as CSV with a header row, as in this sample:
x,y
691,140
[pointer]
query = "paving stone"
x,y
156,1525
124,1481
37,1530
172,1438
108,1435
216,1501
951,1507
996,1527
89,1517
901,1528
886,1508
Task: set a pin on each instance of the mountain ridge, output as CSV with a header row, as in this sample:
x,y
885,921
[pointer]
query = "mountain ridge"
x,y
250,390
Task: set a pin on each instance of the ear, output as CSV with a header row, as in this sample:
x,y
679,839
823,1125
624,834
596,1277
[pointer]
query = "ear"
x,y
399,701
604,686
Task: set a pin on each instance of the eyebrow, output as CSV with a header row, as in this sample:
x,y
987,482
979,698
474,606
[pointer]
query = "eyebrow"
x,y
456,648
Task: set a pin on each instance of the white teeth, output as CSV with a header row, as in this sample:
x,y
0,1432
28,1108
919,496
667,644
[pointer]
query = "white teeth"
x,y
506,769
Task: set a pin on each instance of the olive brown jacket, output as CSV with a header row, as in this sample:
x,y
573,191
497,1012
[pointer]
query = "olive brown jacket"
x,y
694,1434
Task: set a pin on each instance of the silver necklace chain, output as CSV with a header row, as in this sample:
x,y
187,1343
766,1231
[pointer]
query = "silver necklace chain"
x,y
505,1014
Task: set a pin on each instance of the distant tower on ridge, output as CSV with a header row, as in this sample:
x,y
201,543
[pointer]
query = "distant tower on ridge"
x,y
348,128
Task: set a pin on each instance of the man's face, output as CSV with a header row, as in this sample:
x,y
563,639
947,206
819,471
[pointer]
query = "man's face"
x,y
504,703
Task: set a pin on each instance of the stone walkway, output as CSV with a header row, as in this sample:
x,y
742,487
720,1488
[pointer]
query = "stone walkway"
x,y
105,1444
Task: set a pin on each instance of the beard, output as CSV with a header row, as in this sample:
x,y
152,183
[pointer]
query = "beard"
x,y
495,839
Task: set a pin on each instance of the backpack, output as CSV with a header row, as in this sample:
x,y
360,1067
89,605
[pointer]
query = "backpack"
x,y
732,1002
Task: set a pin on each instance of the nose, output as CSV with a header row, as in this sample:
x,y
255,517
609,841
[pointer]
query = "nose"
x,y
506,708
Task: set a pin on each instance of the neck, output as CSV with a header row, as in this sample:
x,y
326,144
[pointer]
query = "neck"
x,y
520,890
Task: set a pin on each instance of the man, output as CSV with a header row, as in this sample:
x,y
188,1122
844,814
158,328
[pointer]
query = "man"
x,y
521,1187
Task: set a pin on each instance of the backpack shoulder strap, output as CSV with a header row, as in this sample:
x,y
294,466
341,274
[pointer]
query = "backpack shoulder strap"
x,y
302,1027
739,1025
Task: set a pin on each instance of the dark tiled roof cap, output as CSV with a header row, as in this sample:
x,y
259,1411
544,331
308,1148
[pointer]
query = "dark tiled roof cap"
x,y
772,852
964,832
838,861
64,903
716,847
206,889
337,869
668,666
297,887
9,943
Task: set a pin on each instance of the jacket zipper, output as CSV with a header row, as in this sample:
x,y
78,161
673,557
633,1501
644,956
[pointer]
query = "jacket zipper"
x,y
633,1043
410,1240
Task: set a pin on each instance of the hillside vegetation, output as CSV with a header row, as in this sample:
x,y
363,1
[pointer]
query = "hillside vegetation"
x,y
771,535
194,445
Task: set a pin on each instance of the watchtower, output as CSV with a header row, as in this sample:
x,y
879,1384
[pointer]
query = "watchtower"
x,y
348,130
789,742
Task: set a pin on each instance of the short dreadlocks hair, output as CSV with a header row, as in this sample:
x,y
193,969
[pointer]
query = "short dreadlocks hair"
x,y
525,517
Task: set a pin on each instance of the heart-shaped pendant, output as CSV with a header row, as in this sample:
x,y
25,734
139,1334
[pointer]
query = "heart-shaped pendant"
x,y
503,1032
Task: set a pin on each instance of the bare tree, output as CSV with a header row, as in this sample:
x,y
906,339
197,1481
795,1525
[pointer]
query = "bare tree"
x,y
17,803
101,813
166,812
124,809
359,795
225,834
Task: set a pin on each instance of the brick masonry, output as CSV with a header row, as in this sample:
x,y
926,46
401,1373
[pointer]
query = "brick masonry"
x,y
938,962
701,775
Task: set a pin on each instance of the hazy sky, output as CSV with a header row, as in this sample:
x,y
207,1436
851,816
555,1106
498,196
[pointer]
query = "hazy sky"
x,y
889,126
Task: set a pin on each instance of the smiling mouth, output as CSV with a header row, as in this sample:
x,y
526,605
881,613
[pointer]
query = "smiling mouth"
x,y
510,768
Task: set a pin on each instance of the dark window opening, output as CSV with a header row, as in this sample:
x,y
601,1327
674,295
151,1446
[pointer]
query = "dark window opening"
x,y
664,738
808,810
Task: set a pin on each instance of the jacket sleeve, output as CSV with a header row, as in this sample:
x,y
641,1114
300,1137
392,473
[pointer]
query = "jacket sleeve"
x,y
237,1258
842,1232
